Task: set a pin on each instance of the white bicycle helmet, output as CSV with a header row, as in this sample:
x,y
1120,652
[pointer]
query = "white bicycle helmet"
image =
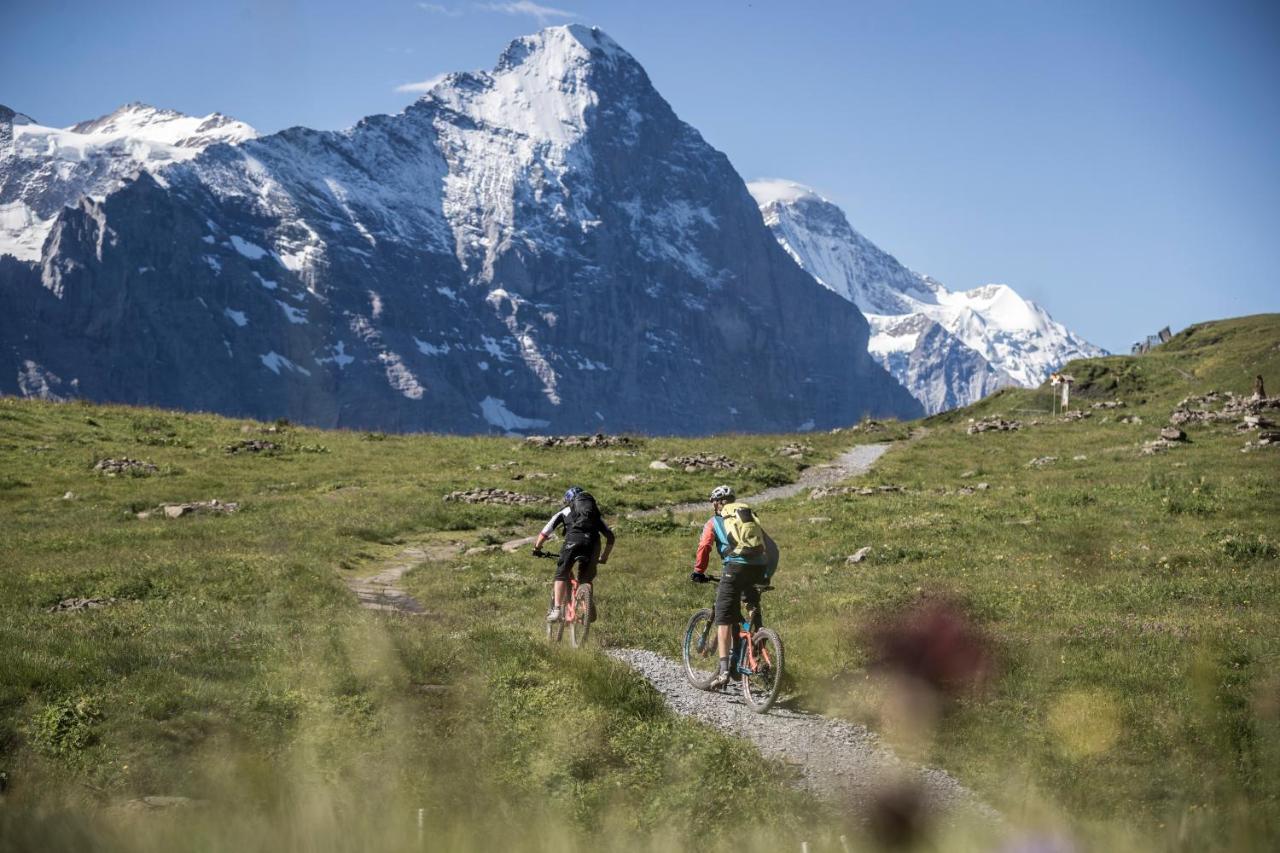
x,y
722,493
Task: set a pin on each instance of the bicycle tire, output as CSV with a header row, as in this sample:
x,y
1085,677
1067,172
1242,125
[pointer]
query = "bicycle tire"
x,y
760,688
701,653
581,624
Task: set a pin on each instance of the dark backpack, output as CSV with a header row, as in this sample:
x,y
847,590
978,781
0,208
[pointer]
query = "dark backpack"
x,y
584,516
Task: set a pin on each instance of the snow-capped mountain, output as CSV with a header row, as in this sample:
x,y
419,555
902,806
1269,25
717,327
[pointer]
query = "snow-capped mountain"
x,y
541,246
948,348
43,169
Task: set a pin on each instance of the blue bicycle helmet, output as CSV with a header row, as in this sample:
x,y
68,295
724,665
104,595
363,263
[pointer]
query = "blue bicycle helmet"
x,y
573,492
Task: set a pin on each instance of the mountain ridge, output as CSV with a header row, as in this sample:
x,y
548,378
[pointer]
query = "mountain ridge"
x,y
541,246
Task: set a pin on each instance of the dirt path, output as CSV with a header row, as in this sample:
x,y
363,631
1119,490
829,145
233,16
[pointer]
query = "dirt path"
x,y
837,760
853,462
382,592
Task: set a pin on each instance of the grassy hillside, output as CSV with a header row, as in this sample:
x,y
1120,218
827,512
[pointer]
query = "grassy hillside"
x,y
1129,605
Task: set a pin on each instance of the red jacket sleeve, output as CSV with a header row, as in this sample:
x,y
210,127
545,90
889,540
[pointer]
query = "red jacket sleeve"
x,y
704,547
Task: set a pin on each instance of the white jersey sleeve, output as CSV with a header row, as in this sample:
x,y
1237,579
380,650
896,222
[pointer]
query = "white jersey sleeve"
x,y
556,520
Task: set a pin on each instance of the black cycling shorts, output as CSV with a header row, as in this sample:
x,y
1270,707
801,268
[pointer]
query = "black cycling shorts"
x,y
585,554
736,582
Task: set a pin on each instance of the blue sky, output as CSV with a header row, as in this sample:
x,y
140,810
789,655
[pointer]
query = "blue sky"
x,y
1118,162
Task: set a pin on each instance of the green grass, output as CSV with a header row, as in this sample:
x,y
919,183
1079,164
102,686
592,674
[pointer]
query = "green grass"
x,y
1131,603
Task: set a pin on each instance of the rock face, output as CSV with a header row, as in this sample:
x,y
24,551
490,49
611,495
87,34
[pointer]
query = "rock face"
x,y
948,348
544,247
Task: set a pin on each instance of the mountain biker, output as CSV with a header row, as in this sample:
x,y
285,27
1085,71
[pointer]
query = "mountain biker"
x,y
739,577
583,526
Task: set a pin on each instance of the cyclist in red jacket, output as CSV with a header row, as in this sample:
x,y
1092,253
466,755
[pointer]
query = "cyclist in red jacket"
x,y
738,578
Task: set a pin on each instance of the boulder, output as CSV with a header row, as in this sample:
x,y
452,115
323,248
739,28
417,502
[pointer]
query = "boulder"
x,y
1173,434
859,555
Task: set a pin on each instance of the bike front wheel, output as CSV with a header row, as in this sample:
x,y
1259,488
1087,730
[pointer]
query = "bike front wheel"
x,y
701,653
760,686
583,601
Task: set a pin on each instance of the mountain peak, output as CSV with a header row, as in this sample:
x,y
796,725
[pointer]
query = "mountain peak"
x,y
767,191
559,51
159,124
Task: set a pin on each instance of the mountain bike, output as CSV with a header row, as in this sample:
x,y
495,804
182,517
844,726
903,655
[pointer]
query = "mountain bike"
x,y
757,655
578,612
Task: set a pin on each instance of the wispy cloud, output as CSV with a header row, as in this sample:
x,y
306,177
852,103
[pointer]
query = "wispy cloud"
x,y
425,86
437,9
525,7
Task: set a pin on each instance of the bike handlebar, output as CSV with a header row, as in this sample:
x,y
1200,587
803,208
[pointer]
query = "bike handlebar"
x,y
759,587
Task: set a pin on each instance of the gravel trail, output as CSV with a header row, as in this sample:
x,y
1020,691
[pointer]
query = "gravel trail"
x,y
854,461
837,760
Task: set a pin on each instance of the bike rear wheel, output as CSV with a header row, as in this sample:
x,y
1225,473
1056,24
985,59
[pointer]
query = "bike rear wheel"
x,y
701,653
760,687
581,624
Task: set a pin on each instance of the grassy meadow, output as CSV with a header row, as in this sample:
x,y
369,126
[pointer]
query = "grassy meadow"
x,y
1128,603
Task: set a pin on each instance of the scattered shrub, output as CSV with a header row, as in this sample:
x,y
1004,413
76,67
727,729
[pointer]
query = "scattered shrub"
x,y
66,726
1248,548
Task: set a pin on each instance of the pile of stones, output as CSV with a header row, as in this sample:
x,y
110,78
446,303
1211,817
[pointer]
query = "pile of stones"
x,y
1268,438
214,506
699,462
1232,407
72,605
997,424
1042,461
1169,437
124,465
1109,404
1077,415
795,450
493,496
1254,422
597,440
252,445
860,491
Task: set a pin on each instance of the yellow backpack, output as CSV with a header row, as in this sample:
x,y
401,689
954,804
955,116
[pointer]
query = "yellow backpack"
x,y
746,536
